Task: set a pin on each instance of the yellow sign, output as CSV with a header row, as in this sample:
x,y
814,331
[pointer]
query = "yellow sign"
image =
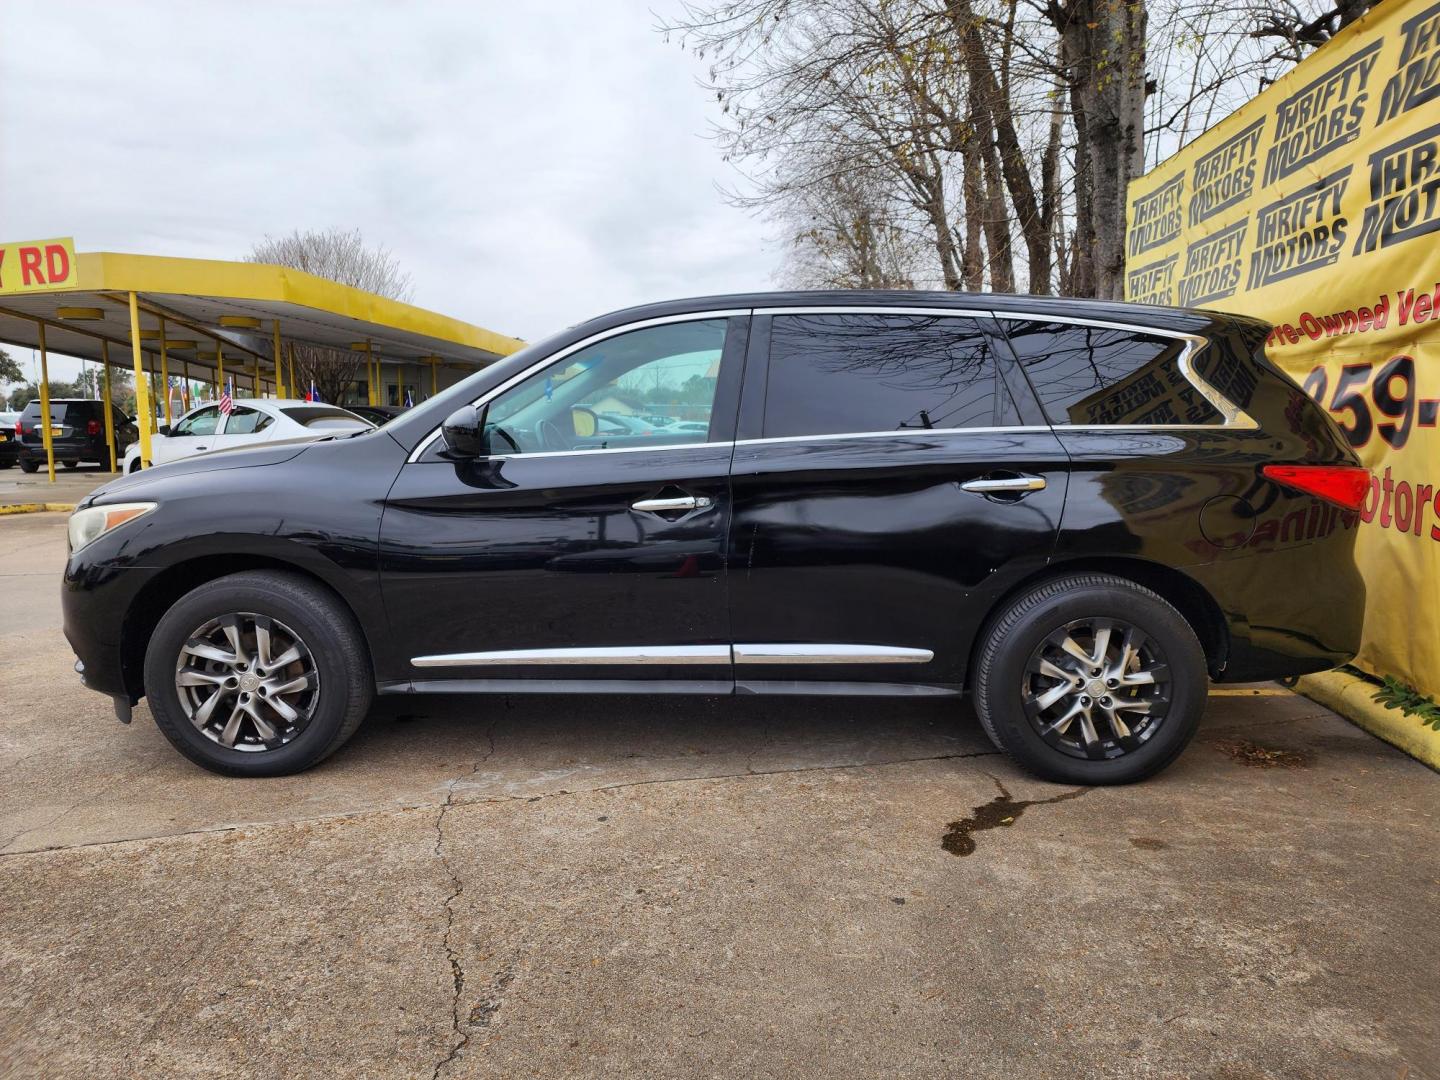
x,y
37,265
1316,206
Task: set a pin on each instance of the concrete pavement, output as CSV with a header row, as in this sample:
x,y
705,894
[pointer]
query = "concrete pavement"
x,y
710,887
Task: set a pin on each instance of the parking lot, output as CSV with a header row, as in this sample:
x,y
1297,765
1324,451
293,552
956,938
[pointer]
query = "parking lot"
x,y
542,886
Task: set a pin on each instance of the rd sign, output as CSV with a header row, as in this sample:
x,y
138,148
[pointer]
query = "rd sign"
x,y
33,265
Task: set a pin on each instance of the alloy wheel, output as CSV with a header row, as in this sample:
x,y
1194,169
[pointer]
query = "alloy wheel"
x,y
1096,688
247,682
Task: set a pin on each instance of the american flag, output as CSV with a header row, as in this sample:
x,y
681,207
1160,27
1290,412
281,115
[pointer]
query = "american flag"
x,y
226,404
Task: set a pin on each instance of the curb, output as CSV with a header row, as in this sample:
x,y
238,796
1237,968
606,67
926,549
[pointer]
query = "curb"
x,y
1350,696
34,508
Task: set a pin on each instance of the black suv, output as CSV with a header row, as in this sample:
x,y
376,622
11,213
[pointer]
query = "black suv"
x,y
1074,511
77,430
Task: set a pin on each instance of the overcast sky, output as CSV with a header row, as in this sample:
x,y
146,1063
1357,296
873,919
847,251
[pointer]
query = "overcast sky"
x,y
531,164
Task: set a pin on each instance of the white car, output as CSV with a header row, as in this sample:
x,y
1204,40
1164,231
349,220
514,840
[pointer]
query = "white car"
x,y
252,421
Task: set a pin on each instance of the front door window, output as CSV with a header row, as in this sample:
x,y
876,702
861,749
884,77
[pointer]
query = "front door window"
x,y
650,387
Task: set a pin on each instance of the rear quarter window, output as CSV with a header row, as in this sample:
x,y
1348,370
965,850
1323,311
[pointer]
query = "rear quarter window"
x,y
318,416
1093,375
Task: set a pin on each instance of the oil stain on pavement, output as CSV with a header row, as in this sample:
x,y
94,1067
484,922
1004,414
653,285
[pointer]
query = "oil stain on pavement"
x,y
1000,812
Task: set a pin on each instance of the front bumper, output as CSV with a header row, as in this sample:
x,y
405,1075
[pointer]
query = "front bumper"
x,y
95,600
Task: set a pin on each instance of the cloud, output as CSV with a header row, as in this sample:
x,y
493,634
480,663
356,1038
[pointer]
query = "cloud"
x,y
530,164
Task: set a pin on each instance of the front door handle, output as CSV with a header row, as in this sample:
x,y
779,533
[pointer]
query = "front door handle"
x,y
1005,485
670,506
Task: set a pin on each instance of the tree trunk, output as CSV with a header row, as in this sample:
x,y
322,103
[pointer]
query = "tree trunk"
x,y
998,121
1103,51
972,267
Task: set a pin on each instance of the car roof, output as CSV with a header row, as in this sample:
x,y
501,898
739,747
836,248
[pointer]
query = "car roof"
x,y
1191,319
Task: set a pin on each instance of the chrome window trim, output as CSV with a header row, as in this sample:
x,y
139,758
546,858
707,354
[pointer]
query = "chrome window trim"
x,y
1021,428
782,653
742,653
1233,416
608,450
555,357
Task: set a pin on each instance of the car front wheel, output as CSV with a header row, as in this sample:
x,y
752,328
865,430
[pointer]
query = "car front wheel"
x,y
1091,679
29,466
258,674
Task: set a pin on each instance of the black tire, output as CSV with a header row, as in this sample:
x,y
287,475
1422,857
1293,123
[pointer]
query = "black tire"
x,y
136,465
1008,659
29,466
70,464
328,631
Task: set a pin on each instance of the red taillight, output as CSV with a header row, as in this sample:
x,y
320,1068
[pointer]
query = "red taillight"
x,y
92,428
1343,485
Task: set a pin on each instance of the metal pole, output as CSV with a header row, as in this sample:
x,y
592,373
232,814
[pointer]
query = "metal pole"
x,y
219,368
45,435
165,369
279,363
434,377
373,396
294,378
109,401
143,413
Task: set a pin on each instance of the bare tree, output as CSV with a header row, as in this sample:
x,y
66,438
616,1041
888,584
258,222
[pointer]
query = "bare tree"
x,y
1008,131
343,256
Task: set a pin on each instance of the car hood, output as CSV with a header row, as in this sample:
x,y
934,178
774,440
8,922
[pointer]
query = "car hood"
x,y
249,457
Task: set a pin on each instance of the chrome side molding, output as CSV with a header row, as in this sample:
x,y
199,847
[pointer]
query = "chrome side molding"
x,y
750,653
747,653
627,654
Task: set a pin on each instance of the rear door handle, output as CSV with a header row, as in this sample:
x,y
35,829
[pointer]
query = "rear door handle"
x,y
1000,485
669,506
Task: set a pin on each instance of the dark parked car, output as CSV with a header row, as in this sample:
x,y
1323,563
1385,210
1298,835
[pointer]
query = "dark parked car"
x,y
1075,511
77,428
9,444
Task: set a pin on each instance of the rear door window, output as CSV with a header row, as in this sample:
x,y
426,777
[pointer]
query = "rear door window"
x,y
245,421
1099,375
851,373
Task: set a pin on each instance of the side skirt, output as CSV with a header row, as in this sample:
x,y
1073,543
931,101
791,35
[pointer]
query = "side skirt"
x,y
704,687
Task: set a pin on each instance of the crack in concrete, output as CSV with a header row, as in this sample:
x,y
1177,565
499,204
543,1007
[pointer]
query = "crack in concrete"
x,y
452,802
457,886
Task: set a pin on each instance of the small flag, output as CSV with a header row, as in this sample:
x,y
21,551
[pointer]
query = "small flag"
x,y
409,399
226,402
312,394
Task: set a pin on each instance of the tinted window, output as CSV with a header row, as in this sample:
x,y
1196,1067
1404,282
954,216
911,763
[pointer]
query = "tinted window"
x,y
1098,375
321,416
831,374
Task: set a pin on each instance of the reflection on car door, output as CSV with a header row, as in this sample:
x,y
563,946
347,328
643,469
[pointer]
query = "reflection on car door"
x,y
571,552
888,487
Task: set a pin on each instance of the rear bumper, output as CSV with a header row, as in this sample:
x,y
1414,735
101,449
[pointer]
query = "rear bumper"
x,y
83,448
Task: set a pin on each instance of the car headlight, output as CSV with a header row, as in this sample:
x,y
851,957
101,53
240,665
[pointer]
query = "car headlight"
x,y
95,521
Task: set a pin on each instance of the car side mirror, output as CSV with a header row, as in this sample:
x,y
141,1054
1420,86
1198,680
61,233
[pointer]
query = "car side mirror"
x,y
464,432
163,429
584,421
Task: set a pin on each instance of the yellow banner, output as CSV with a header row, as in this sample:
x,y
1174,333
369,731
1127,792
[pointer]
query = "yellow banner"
x,y
37,265
1317,207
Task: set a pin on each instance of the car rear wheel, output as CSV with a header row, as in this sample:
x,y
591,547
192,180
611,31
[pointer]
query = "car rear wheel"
x,y
258,674
1091,679
70,464
29,466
